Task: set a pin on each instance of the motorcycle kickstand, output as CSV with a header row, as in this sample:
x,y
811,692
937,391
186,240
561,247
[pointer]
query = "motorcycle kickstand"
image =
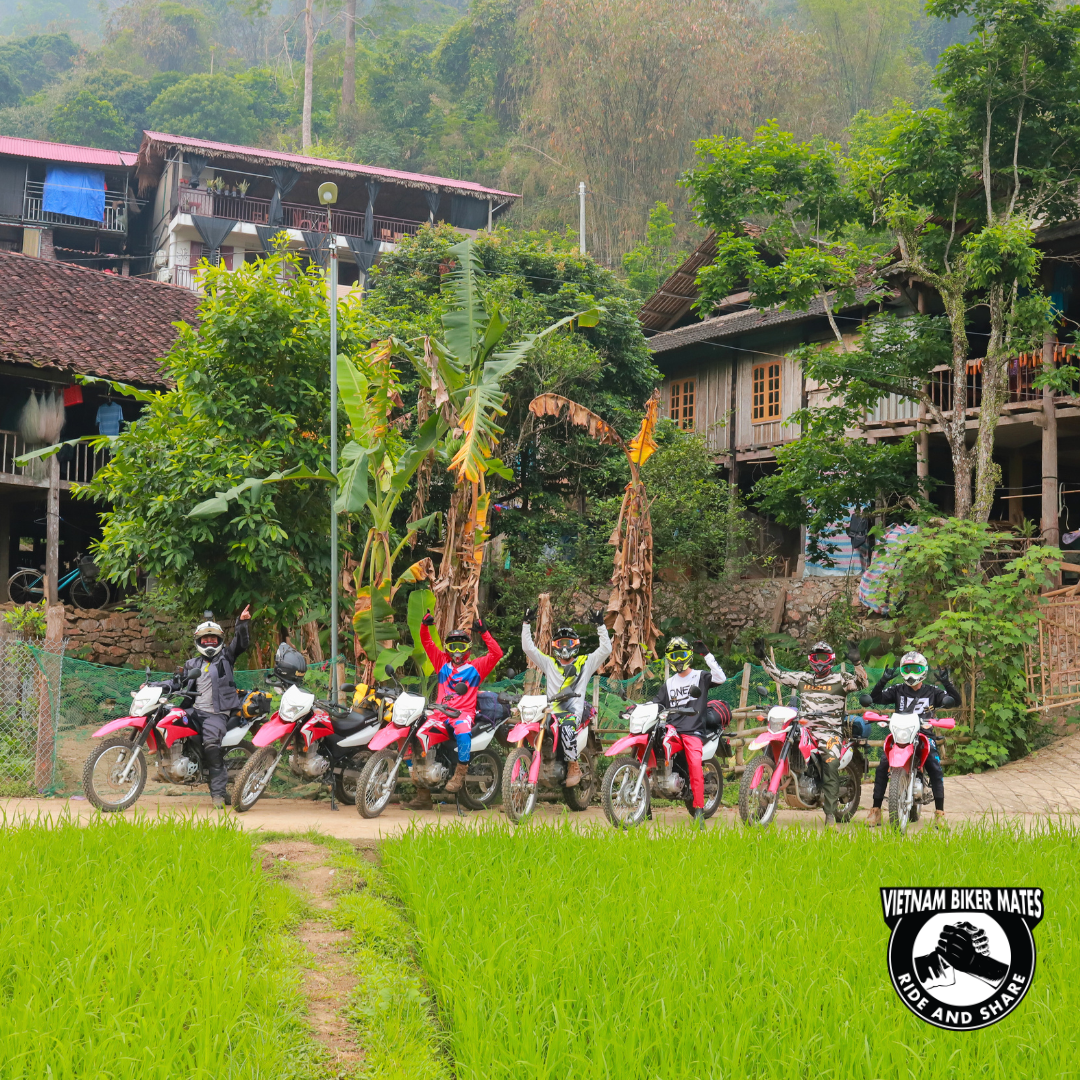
x,y
333,797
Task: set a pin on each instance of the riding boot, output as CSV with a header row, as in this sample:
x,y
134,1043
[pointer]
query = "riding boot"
x,y
873,819
217,774
939,821
830,823
573,775
697,819
421,800
457,781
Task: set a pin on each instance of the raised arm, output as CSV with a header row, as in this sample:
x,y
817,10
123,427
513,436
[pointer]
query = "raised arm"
x,y
528,646
241,636
484,664
784,678
436,657
715,670
602,651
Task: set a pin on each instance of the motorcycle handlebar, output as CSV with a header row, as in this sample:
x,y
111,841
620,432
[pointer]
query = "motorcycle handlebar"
x,y
944,722
448,710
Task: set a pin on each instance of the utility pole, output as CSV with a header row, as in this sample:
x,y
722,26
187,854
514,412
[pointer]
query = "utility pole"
x,y
332,289
581,217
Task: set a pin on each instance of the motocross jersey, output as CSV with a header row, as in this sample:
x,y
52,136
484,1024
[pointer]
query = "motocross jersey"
x,y
675,694
822,698
472,672
557,678
906,699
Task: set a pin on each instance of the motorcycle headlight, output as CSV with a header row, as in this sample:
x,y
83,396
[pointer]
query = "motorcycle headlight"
x,y
904,727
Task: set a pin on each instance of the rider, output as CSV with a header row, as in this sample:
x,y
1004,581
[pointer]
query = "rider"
x,y
568,670
453,667
674,693
913,695
210,677
822,696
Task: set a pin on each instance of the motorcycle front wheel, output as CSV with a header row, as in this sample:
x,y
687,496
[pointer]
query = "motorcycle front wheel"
x,y
234,759
251,782
847,800
345,781
714,789
483,780
580,797
102,771
757,805
901,805
624,808
518,795
376,784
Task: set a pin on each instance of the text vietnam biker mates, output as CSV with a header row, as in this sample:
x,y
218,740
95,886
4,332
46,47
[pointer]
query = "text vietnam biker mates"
x,y
961,958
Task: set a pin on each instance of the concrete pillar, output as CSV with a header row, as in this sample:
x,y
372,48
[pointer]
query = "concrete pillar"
x,y
1050,528
52,533
1016,487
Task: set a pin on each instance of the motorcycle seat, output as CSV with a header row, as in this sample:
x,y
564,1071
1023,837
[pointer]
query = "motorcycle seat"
x,y
353,722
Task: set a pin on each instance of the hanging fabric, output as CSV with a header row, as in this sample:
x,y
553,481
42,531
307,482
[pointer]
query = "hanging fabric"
x,y
195,163
52,416
369,214
213,231
318,245
266,237
467,212
364,251
433,198
284,181
29,420
75,192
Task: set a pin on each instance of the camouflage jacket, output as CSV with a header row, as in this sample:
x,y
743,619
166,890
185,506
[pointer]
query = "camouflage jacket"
x,y
822,699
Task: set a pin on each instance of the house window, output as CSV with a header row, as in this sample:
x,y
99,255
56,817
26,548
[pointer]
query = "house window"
x,y
682,403
766,391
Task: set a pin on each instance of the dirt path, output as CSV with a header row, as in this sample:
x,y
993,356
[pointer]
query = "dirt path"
x,y
1047,782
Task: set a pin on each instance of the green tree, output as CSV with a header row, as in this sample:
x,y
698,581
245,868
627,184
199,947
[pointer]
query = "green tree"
x,y
89,121
648,265
163,34
10,88
251,398
128,94
206,107
38,60
956,189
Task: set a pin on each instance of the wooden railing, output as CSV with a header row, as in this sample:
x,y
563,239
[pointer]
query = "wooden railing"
x,y
78,463
294,215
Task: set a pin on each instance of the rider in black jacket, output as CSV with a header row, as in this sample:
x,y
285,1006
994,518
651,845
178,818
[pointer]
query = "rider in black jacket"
x,y
913,695
209,677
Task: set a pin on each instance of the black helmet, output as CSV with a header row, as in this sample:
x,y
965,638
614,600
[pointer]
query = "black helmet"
x,y
289,664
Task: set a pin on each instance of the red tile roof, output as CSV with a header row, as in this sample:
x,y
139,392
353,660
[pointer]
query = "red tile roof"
x,y
54,151
152,156
60,316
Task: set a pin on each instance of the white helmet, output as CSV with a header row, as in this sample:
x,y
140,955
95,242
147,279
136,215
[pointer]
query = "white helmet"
x,y
913,668
207,629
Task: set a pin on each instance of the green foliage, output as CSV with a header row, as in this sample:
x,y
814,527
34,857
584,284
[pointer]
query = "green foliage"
x,y
649,264
637,906
35,61
206,107
89,121
978,624
251,398
28,620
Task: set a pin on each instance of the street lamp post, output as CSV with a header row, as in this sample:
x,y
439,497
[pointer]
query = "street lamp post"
x,y
332,284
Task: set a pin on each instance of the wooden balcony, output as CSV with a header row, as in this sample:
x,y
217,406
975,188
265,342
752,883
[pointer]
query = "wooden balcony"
x,y
115,220
294,215
77,464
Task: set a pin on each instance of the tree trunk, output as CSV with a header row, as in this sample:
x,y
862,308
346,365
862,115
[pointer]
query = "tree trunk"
x,y
956,424
1051,519
309,72
995,391
457,585
348,78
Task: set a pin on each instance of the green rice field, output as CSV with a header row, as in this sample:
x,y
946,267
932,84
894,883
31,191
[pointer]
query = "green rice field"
x,y
731,954
130,950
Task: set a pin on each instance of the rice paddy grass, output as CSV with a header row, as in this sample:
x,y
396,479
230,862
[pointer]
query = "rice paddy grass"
x,y
149,951
664,955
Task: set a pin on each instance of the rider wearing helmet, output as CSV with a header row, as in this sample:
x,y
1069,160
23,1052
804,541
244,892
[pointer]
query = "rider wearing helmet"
x,y
454,668
567,670
913,695
674,693
209,676
822,697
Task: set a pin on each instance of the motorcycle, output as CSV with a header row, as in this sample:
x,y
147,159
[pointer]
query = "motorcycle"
x,y
115,773
656,768
789,763
428,745
537,761
325,742
909,788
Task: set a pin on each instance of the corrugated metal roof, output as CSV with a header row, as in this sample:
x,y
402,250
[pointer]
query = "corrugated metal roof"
x,y
75,155
158,140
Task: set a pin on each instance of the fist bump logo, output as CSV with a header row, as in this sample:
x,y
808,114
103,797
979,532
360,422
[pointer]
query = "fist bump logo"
x,y
961,959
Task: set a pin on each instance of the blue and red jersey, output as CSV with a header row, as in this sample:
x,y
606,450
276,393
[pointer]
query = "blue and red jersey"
x,y
472,672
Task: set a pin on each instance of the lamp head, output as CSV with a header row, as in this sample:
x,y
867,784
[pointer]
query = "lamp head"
x,y
327,193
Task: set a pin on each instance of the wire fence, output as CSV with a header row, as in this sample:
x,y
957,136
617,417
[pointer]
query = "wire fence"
x,y
51,704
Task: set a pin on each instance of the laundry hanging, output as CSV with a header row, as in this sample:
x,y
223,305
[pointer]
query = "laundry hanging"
x,y
42,419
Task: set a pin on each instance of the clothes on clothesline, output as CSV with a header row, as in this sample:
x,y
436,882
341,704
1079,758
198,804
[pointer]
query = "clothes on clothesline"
x,y
109,417
42,418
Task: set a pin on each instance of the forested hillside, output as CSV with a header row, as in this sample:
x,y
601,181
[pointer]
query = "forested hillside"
x,y
534,95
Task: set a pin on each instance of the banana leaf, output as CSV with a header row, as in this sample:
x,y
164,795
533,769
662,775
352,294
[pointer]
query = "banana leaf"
x,y
373,619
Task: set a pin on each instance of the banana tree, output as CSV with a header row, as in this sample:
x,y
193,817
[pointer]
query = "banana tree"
x,y
629,608
462,382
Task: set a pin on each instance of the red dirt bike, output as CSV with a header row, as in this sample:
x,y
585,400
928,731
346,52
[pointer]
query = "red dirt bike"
x,y
655,766
909,788
537,759
115,773
427,743
790,764
325,742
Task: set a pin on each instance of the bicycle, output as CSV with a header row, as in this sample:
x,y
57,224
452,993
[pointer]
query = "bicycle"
x,y
87,591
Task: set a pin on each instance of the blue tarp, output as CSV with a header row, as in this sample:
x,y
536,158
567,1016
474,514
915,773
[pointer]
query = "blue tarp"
x,y
76,192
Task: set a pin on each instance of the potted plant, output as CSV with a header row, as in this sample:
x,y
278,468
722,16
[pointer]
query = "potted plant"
x,y
242,187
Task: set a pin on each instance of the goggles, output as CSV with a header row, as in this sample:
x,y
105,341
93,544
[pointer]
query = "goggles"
x,y
457,648
820,658
679,656
912,669
565,643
